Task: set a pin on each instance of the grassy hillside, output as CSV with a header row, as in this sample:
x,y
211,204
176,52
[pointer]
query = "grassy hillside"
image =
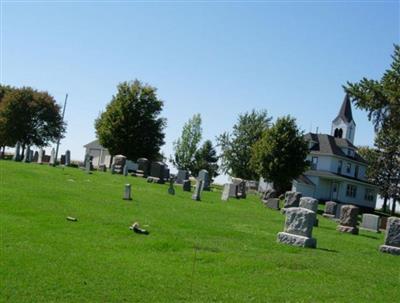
x,y
208,251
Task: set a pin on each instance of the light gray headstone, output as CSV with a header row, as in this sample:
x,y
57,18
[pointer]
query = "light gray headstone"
x,y
204,176
370,222
272,203
197,191
127,192
309,203
52,157
298,227
225,192
40,156
392,237
182,176
330,209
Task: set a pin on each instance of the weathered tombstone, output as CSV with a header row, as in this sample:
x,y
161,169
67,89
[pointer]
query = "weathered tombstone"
x,y
338,211
292,199
102,168
171,189
348,219
131,166
204,176
330,209
52,157
68,158
392,237
242,190
272,203
144,166
299,224
233,190
119,164
17,155
88,163
187,185
30,155
35,156
62,160
127,192
197,191
311,204
225,192
370,222
182,176
269,193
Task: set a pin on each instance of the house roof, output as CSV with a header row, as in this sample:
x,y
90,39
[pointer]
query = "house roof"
x,y
326,144
345,112
331,175
304,179
94,144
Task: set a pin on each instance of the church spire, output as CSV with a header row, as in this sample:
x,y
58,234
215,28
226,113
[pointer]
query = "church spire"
x,y
343,126
345,111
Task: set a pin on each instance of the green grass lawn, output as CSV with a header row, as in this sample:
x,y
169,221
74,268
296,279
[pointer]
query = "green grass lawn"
x,y
208,251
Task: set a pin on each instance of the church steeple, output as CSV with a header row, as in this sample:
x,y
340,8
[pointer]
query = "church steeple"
x,y
343,126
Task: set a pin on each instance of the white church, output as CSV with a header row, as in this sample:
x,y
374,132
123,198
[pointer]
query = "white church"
x,y
337,172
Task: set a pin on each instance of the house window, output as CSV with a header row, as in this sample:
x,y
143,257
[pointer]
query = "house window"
x,y
351,191
339,167
356,172
348,167
314,162
369,194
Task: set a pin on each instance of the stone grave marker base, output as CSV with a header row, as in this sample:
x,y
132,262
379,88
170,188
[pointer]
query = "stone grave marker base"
x,y
390,249
296,240
347,229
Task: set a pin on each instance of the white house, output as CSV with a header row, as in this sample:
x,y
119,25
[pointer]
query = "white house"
x,y
337,171
99,153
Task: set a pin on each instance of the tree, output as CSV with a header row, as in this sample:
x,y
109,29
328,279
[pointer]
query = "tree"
x,y
5,139
280,155
206,158
131,125
380,98
30,117
236,147
186,146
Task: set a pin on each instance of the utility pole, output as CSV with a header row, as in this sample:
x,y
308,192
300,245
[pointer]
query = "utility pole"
x,y
59,138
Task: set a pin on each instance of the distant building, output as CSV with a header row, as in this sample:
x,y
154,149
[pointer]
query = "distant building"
x,y
337,171
99,153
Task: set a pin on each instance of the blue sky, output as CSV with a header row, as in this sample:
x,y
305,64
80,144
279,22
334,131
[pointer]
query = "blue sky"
x,y
214,58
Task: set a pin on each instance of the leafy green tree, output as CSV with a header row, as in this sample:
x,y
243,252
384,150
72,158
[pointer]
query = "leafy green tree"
x,y
30,117
5,139
186,146
380,98
236,146
280,155
206,158
131,125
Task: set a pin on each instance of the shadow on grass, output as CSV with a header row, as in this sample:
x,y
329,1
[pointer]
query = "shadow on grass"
x,y
327,250
369,236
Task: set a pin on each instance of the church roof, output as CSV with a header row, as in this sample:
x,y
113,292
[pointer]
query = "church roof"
x,y
326,144
345,111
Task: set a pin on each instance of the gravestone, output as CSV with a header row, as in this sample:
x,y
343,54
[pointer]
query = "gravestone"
x,y
182,176
62,160
187,185
42,153
311,204
35,156
338,211
102,168
292,199
17,155
241,190
299,224
143,167
197,191
330,209
52,157
204,176
268,194
166,173
383,222
348,219
392,237
157,171
233,190
88,163
112,170
171,189
27,154
125,170
127,192
131,166
67,158
119,164
272,203
370,222
225,192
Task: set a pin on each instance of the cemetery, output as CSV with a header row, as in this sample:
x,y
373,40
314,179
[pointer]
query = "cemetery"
x,y
131,240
